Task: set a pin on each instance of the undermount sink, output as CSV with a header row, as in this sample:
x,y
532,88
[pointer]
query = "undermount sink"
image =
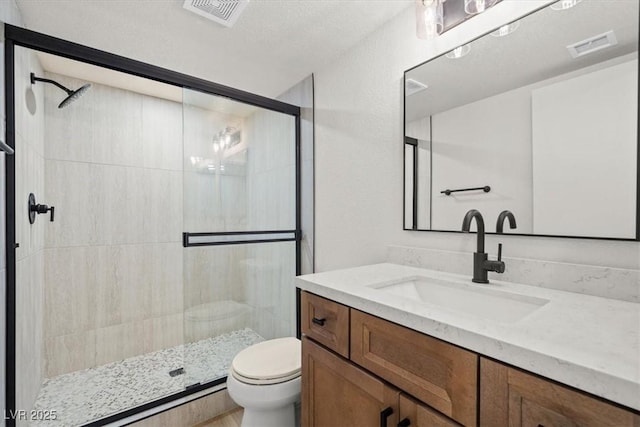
x,y
477,300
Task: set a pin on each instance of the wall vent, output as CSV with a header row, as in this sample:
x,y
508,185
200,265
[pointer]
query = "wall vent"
x,y
225,12
593,44
413,86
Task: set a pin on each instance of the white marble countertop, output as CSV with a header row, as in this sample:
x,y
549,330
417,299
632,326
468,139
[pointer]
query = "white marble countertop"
x,y
588,342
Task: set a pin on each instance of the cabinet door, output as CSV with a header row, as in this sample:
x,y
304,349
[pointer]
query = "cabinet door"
x,y
417,414
336,393
510,397
435,372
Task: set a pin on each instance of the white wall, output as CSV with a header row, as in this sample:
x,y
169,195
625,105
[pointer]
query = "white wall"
x,y
113,256
359,133
588,125
271,160
492,147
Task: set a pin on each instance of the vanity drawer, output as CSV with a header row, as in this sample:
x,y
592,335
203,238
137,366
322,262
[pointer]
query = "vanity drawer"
x,y
441,375
325,321
515,398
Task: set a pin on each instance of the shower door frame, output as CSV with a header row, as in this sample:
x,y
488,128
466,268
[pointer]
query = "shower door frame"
x,y
16,36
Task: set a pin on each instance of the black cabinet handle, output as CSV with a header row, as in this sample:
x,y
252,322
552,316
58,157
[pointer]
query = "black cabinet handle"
x,y
404,423
319,322
384,415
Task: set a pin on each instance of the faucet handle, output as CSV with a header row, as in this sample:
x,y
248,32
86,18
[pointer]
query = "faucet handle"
x,y
499,251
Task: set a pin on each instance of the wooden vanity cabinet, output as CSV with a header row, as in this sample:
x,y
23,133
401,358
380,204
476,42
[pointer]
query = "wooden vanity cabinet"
x,y
510,397
337,393
438,374
390,375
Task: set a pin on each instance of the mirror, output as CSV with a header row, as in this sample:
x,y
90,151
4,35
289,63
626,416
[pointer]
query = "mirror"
x,y
541,121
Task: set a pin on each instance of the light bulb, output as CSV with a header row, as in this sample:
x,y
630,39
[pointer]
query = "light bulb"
x,y
429,18
433,19
472,7
216,147
506,29
564,4
459,52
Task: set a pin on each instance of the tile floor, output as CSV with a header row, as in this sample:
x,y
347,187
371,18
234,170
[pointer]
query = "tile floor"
x,y
88,395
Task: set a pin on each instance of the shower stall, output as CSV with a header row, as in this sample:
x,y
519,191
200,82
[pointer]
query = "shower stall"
x,y
153,231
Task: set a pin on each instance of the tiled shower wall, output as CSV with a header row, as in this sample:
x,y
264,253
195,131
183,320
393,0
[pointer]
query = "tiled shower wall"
x,y
256,192
29,163
271,188
112,258
105,280
212,202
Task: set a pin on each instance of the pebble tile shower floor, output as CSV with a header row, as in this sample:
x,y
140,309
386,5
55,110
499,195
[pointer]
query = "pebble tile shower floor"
x,y
84,396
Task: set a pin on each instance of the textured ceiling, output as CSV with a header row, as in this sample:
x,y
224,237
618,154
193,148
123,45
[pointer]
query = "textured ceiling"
x,y
274,44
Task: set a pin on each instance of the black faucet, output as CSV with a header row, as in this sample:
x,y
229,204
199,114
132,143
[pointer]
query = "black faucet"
x,y
481,263
500,223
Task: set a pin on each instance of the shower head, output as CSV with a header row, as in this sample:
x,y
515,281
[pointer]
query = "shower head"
x,y
72,95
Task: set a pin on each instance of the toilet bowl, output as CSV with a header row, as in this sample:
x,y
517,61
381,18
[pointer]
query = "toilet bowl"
x,y
265,380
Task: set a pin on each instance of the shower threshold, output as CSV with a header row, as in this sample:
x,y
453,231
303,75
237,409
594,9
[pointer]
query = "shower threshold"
x,y
82,397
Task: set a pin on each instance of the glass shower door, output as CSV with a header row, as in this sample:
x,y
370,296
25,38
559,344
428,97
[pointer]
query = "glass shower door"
x,y
240,240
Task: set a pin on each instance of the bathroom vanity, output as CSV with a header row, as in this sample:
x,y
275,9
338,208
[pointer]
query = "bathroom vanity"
x,y
392,345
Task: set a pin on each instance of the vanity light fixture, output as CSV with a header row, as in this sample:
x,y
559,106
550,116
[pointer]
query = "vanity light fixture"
x,y
429,18
505,30
459,52
477,6
564,4
433,17
226,138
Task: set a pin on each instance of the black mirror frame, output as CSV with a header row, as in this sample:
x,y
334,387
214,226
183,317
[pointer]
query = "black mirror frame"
x,y
414,195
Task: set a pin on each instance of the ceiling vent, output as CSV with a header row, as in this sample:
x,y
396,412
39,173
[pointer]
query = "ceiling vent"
x,y
592,44
225,12
413,86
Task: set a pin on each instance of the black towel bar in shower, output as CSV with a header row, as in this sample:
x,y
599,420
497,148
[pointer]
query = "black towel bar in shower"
x,y
486,189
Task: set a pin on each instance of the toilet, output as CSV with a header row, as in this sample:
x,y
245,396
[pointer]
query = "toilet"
x,y
265,380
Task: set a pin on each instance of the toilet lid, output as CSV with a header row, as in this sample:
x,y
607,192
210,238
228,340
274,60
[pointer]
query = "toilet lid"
x,y
270,361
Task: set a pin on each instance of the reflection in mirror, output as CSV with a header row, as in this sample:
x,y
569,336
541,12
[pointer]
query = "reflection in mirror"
x,y
544,112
